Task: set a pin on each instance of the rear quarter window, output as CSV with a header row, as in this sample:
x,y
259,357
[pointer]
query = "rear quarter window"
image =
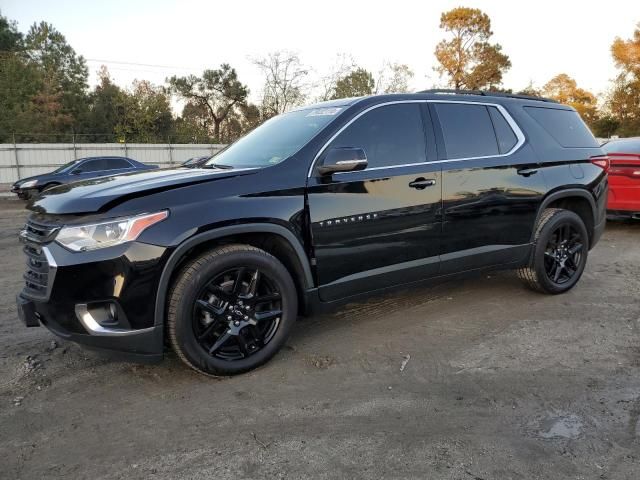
x,y
504,133
565,126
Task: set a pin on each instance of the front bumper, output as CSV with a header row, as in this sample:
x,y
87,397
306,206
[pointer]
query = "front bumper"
x,y
24,193
143,345
65,293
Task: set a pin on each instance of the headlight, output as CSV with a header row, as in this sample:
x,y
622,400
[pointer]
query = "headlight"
x,y
106,234
28,184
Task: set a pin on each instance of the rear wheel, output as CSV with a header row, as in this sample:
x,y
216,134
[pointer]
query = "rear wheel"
x,y
231,310
559,253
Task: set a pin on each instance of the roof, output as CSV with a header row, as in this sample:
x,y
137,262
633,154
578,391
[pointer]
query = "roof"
x,y
436,94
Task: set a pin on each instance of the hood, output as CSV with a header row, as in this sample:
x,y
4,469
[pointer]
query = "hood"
x,y
41,178
99,194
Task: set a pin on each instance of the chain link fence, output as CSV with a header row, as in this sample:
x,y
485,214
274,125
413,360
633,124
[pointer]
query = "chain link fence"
x,y
24,159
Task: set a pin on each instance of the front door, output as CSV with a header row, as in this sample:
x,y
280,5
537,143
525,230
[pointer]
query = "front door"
x,y
378,227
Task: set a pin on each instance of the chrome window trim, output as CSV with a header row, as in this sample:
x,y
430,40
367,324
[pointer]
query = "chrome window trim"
x,y
130,167
503,111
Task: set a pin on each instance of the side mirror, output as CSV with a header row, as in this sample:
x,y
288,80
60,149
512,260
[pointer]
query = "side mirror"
x,y
343,160
77,171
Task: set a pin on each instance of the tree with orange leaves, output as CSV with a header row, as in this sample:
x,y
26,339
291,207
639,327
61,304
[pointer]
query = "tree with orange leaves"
x,y
624,99
467,57
565,90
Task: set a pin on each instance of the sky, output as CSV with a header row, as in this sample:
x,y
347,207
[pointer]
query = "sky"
x,y
160,38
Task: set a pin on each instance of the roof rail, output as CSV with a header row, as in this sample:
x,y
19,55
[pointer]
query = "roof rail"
x,y
487,94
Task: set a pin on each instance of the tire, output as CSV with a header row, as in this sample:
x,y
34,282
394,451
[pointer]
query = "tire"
x,y
202,300
551,263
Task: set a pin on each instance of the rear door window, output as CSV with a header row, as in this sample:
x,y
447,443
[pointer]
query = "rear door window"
x,y
467,130
565,126
92,165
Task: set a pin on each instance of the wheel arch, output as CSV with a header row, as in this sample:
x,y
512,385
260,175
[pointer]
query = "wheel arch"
x,y
273,238
577,200
51,185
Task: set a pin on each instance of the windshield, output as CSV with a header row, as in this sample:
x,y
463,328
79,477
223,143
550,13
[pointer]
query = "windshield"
x,y
65,166
276,139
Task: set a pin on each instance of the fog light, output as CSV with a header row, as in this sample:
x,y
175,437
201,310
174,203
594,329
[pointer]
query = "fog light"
x,y
103,318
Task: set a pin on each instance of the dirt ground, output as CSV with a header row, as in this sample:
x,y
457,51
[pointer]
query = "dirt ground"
x,y
497,382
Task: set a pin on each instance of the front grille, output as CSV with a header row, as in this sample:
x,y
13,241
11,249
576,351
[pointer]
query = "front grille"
x,y
38,277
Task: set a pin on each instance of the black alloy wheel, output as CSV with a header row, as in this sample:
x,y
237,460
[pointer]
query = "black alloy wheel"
x,y
237,313
559,253
231,309
563,254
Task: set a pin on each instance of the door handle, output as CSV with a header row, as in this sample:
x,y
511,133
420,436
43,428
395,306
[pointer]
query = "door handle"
x,y
422,183
527,172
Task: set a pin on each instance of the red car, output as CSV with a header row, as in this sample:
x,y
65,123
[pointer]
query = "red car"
x,y
624,178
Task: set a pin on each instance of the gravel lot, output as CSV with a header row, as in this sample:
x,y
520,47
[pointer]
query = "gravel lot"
x,y
498,382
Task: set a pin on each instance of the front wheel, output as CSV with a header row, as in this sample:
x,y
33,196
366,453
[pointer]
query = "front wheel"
x,y
231,310
559,253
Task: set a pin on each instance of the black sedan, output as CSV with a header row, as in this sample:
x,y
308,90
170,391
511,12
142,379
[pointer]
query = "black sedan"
x,y
80,169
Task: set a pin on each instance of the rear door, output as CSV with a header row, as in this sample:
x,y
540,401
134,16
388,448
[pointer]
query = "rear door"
x,y
492,186
377,228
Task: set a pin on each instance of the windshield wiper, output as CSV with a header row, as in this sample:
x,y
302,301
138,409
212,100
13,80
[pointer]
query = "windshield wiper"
x,y
218,165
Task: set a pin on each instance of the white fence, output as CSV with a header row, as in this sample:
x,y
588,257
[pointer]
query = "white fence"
x,y
26,159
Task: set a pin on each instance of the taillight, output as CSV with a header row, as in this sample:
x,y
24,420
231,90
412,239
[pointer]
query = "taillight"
x,y
602,161
624,165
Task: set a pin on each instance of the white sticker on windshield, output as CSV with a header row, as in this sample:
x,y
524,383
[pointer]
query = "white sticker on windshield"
x,y
320,112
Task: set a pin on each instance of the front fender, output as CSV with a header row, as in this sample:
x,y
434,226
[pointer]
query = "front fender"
x,y
221,232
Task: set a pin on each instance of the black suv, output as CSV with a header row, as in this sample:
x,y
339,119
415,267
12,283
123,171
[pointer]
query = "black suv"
x,y
316,207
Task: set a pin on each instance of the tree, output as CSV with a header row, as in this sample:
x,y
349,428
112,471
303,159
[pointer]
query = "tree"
x,y
623,101
355,84
245,119
626,54
467,58
106,108
19,81
218,91
605,126
394,78
284,77
146,114
10,38
530,90
64,73
565,90
326,85
193,125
